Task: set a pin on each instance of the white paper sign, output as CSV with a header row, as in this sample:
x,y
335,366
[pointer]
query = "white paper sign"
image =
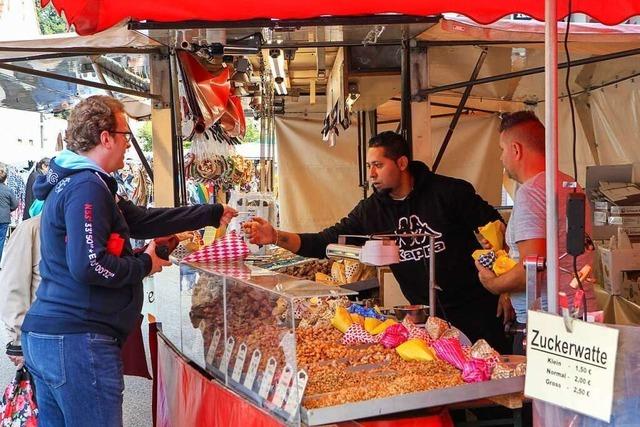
x,y
267,378
237,368
574,370
253,369
228,349
215,340
283,385
296,393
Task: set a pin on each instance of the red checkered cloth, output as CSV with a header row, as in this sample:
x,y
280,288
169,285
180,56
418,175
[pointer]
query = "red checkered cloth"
x,y
230,247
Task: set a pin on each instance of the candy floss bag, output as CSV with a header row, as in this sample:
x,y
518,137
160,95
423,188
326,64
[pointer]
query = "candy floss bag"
x,y
18,404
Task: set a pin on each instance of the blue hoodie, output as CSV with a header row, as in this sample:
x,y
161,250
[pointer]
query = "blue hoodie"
x,y
91,279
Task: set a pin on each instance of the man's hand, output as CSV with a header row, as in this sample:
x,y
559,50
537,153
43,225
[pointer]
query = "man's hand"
x,y
227,215
260,232
17,360
486,276
156,262
505,309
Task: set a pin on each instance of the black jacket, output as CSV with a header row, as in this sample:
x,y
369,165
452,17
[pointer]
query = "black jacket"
x,y
438,204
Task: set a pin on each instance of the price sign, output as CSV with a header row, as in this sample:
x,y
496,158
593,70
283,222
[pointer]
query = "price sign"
x,y
228,349
215,340
296,393
574,370
267,378
237,368
197,346
253,369
283,385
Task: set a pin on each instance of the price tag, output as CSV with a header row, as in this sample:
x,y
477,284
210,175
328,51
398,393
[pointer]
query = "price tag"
x,y
253,369
215,340
296,393
283,386
237,368
224,363
267,378
574,370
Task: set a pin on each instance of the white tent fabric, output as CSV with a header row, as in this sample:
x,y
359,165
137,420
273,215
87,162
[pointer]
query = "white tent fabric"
x,y
318,184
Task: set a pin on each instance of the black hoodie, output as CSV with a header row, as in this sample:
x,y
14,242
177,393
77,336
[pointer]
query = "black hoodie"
x,y
448,207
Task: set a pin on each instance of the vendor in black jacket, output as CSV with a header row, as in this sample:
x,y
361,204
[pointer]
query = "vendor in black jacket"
x,y
409,198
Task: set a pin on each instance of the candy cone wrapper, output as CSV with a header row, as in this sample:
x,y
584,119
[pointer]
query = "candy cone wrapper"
x,y
503,264
357,335
394,336
492,232
230,247
415,349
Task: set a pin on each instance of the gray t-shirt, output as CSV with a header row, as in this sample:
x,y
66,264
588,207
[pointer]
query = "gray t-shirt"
x,y
528,221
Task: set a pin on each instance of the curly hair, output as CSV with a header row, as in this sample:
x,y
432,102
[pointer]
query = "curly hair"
x,y
89,119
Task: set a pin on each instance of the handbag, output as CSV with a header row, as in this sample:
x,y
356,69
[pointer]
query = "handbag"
x,y
18,404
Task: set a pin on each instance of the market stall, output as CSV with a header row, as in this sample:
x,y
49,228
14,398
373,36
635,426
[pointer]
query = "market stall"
x,y
220,288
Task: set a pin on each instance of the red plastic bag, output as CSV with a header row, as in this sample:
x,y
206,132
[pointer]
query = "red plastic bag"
x,y
18,404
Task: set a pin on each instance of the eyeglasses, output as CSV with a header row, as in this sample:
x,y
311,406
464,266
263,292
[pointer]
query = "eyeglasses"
x,y
127,135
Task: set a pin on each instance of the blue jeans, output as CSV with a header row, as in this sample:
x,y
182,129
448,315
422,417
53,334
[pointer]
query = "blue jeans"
x,y
78,378
3,236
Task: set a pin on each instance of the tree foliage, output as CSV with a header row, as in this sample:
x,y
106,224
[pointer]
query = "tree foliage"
x,y
145,137
50,22
253,131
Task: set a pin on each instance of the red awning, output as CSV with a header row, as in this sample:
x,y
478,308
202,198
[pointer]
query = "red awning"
x,y
91,16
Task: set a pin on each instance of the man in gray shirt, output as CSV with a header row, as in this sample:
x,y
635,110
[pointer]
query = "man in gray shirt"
x,y
8,204
523,156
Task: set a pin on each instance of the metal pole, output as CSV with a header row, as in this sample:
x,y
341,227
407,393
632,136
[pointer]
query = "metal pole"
x,y
529,71
48,75
432,276
405,83
551,150
461,104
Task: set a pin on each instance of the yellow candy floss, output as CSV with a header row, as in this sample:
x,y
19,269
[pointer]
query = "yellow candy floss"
x,y
492,232
503,264
341,319
415,349
383,326
370,324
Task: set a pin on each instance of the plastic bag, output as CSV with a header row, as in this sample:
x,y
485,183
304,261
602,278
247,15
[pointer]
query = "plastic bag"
x,y
18,404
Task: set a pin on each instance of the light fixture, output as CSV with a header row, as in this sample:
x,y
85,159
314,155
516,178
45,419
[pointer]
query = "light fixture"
x,y
276,63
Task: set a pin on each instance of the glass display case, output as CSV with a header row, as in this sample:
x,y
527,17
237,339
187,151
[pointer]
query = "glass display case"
x,y
238,322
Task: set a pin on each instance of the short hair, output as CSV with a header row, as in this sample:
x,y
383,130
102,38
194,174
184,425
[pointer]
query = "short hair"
x,y
529,128
42,162
89,119
393,143
3,175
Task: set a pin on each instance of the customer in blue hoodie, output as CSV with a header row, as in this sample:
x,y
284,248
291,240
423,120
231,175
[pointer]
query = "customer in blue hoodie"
x,y
90,296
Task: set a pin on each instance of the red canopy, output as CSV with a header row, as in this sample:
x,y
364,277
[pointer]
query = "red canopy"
x,y
91,16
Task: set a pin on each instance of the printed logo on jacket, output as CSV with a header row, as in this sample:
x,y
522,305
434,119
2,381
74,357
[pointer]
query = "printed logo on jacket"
x,y
416,248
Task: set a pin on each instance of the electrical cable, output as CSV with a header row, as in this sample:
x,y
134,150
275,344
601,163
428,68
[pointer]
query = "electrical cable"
x,y
574,146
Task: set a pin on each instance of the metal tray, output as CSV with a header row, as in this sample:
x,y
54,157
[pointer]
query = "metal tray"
x,y
411,401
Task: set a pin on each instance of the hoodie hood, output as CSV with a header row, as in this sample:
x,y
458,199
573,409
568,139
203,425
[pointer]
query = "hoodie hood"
x,y
420,173
64,165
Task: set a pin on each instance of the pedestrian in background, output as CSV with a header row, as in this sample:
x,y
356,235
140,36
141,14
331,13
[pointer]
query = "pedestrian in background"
x,y
41,169
8,204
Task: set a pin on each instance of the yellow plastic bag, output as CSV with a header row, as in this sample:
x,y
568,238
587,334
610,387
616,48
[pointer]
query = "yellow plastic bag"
x,y
371,323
